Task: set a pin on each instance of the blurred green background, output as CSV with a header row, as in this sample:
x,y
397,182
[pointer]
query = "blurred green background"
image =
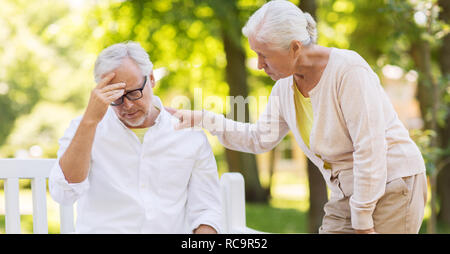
x,y
48,49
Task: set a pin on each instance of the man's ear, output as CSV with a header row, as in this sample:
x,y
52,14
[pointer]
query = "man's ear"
x,y
152,80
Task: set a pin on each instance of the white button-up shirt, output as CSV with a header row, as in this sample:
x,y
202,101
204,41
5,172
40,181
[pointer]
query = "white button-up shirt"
x,y
167,184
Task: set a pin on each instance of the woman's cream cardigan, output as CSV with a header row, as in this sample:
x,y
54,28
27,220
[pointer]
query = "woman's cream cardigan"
x,y
355,129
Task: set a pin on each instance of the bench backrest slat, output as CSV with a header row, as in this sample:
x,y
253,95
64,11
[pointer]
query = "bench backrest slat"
x,y
39,189
38,170
12,212
66,218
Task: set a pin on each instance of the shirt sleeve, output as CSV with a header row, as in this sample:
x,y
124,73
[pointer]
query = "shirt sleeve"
x,y
257,137
360,96
204,205
60,189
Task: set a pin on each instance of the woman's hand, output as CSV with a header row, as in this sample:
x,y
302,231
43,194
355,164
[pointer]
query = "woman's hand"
x,y
188,118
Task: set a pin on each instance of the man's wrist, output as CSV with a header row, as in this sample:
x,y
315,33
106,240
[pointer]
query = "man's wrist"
x,y
87,122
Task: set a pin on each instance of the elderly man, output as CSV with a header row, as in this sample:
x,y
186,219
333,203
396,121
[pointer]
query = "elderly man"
x,y
125,165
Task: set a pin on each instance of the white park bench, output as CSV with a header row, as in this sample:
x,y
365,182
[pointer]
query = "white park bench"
x,y
38,170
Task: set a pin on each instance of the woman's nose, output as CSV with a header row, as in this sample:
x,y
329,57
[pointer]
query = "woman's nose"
x,y
261,63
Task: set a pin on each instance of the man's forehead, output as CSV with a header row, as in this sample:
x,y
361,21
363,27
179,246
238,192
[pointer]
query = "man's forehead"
x,y
131,81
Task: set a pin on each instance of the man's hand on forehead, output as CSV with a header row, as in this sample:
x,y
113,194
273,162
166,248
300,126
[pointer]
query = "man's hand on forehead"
x,y
102,96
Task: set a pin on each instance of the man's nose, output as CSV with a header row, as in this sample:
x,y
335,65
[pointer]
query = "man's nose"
x,y
127,104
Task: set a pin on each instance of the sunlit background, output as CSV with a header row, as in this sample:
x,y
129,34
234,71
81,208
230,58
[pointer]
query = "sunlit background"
x,y
48,49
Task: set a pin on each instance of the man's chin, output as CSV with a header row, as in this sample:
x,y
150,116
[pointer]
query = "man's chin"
x,y
133,122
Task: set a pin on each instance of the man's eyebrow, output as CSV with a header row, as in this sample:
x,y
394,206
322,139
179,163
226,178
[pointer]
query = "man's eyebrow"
x,y
130,90
139,86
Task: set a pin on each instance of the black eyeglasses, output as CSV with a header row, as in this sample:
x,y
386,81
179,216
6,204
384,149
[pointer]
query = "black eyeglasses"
x,y
132,95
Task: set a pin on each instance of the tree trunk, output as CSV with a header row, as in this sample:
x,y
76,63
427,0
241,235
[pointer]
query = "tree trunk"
x,y
236,76
317,198
443,186
427,95
420,53
317,187
272,159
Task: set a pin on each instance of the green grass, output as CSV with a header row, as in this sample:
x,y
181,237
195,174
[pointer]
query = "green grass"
x,y
441,228
266,218
263,217
26,224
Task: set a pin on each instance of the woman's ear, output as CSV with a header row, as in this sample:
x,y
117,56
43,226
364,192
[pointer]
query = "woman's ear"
x,y
295,48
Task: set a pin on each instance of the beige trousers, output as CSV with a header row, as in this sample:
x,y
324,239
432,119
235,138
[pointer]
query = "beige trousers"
x,y
399,211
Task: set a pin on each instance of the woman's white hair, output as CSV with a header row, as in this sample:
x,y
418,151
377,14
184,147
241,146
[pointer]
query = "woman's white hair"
x,y
111,58
279,22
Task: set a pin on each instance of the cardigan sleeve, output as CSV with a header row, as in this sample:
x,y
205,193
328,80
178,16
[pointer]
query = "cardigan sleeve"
x,y
360,97
257,137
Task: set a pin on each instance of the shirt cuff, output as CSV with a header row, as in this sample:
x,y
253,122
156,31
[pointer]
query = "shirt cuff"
x,y
63,191
361,218
207,221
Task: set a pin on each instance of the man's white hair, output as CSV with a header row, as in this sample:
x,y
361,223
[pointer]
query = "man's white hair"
x,y
111,57
279,22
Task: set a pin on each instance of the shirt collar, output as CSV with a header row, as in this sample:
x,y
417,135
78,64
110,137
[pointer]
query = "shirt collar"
x,y
158,104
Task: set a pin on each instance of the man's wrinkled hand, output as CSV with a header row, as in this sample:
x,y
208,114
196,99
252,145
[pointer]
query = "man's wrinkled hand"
x,y
101,97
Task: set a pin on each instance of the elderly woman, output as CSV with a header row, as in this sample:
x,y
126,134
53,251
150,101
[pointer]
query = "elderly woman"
x,y
340,116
